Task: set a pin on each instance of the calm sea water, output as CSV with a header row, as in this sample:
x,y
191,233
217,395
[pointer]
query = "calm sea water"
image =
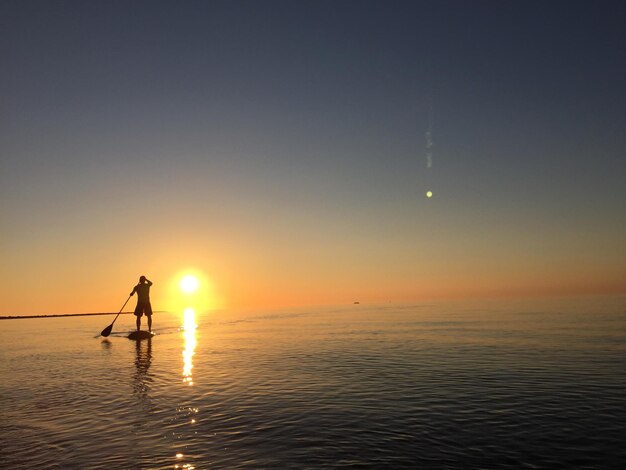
x,y
509,385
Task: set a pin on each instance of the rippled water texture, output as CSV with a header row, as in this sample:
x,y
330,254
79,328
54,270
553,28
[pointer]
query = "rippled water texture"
x,y
423,386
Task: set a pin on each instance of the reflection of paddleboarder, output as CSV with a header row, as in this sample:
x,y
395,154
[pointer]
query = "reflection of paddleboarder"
x,y
141,377
143,301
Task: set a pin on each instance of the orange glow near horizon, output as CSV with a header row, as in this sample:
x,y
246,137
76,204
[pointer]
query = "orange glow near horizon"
x,y
263,273
191,288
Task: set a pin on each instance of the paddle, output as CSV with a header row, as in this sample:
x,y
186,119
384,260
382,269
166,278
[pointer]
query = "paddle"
x,y
107,331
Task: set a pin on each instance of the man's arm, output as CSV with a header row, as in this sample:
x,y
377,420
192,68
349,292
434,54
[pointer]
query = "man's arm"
x,y
134,290
149,282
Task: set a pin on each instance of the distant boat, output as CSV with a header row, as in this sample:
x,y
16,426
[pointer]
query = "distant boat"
x,y
357,303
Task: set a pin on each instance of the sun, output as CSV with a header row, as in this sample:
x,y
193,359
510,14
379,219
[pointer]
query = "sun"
x,y
190,287
189,284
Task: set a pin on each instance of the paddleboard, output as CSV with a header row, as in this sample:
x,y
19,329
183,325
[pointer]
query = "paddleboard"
x,y
141,334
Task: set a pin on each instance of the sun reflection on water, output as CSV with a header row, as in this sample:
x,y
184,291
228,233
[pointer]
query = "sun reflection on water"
x,y
189,332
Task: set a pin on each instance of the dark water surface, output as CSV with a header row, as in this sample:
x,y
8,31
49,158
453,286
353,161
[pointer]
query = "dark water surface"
x,y
424,386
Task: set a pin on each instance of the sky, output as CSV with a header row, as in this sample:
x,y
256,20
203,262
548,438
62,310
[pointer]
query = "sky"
x,y
280,151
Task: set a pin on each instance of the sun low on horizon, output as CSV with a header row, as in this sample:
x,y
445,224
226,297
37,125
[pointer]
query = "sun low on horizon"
x,y
189,284
191,288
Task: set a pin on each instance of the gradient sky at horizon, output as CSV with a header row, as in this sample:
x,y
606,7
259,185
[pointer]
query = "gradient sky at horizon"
x,y
279,148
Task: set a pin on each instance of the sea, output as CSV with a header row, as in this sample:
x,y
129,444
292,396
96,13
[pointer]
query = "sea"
x,y
537,384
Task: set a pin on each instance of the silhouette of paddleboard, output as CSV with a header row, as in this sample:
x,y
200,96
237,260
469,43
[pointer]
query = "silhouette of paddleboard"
x,y
141,334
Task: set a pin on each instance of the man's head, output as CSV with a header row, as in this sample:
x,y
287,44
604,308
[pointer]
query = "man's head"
x,y
142,279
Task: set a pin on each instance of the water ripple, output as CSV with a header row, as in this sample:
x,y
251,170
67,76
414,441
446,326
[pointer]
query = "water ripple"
x,y
324,390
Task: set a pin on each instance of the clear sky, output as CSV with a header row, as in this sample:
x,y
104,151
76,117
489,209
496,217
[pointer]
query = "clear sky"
x,y
280,150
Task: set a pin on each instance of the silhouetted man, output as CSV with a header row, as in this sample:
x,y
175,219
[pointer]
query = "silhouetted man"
x,y
143,301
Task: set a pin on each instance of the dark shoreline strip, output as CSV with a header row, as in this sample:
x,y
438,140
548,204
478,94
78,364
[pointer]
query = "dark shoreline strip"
x,y
60,315
56,315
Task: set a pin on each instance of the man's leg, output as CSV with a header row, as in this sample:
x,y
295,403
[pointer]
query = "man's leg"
x,y
149,322
138,322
